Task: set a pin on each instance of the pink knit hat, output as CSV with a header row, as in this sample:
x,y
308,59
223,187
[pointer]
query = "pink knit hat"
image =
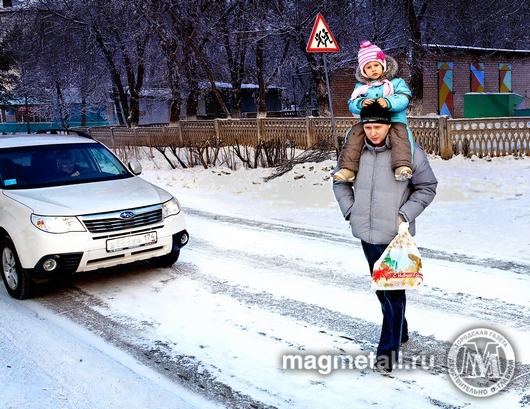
x,y
370,52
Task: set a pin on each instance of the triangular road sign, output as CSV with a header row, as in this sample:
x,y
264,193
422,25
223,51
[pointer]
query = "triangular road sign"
x,y
321,39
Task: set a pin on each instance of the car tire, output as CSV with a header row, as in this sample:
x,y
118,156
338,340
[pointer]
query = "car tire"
x,y
18,283
165,261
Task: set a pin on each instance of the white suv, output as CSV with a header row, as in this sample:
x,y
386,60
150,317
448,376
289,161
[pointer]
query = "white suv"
x,y
69,205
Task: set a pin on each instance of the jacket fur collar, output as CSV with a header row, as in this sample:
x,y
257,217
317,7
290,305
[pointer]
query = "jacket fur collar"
x,y
390,73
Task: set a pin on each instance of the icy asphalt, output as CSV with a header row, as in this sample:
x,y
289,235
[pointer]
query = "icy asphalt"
x,y
114,358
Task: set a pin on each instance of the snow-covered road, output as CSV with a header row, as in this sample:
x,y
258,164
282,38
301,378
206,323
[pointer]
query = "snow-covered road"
x,y
49,362
213,328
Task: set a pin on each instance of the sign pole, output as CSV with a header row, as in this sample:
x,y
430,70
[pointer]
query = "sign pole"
x,y
333,127
322,41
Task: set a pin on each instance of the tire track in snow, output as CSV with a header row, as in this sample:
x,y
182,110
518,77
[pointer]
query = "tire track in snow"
x,y
459,304
514,267
346,329
351,328
131,336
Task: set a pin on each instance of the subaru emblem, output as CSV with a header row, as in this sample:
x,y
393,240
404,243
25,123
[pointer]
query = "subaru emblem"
x,y
126,215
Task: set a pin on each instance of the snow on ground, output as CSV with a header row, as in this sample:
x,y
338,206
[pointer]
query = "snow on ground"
x,y
47,362
482,209
482,206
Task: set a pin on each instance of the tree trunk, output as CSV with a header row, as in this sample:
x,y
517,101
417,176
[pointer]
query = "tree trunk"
x,y
117,103
134,109
119,92
236,100
83,111
61,107
135,81
191,104
208,72
262,101
174,111
321,90
192,101
415,60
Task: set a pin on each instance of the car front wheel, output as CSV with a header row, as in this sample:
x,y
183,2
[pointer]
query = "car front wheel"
x,y
18,284
165,261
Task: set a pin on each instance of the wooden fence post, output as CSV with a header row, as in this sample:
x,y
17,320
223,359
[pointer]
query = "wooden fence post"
x,y
181,139
444,132
112,137
308,130
164,134
216,129
261,132
136,139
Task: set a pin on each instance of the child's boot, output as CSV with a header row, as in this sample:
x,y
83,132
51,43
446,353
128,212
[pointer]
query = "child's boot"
x,y
345,175
403,173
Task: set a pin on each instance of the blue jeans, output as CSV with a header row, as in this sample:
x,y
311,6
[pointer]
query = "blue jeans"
x,y
393,302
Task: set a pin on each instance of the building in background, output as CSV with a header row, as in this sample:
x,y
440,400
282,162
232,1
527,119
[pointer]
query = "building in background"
x,y
451,72
210,108
22,115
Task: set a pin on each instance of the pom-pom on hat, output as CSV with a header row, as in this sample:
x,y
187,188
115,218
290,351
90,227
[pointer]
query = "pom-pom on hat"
x,y
369,52
375,113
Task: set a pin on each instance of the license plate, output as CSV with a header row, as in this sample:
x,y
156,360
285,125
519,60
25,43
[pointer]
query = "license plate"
x,y
130,242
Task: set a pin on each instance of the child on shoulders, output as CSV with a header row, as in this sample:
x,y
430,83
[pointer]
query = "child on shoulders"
x,y
378,84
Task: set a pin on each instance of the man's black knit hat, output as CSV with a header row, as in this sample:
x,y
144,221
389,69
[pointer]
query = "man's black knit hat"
x,y
375,113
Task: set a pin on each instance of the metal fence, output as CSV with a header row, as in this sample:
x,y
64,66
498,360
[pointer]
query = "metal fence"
x,y
490,136
437,135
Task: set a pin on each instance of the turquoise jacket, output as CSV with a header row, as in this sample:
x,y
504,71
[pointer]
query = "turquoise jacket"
x,y
397,103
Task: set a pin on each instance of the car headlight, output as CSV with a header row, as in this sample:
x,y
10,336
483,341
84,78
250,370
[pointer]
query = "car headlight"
x,y
57,224
170,208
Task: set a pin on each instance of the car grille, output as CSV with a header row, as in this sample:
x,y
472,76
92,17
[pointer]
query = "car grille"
x,y
71,261
112,222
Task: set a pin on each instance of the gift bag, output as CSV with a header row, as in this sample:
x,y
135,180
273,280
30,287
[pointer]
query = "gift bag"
x,y
399,267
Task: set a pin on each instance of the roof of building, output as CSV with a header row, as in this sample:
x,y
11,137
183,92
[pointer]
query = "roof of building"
x,y
463,48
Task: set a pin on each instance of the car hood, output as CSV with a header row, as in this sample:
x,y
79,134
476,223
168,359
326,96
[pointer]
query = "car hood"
x,y
89,198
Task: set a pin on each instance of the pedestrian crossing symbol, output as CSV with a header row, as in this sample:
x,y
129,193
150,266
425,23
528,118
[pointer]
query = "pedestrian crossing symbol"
x,y
321,39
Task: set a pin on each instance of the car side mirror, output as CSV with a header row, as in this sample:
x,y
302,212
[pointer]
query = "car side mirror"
x,y
135,167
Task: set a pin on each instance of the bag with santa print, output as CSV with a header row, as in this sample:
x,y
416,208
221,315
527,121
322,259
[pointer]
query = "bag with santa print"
x,y
399,267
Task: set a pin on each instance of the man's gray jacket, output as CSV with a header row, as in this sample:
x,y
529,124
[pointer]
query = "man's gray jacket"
x,y
374,201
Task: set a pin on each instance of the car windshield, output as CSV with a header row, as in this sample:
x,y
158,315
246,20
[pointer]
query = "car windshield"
x,y
55,165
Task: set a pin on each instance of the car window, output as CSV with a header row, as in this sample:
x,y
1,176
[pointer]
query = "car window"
x,y
55,165
106,161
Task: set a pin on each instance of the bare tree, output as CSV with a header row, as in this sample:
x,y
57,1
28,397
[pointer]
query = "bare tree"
x,y
182,35
477,23
7,76
415,52
262,103
125,46
233,25
295,19
121,36
52,66
267,49
190,24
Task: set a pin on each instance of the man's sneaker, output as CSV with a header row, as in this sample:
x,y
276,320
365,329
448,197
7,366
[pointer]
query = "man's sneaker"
x,y
383,366
403,173
345,175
